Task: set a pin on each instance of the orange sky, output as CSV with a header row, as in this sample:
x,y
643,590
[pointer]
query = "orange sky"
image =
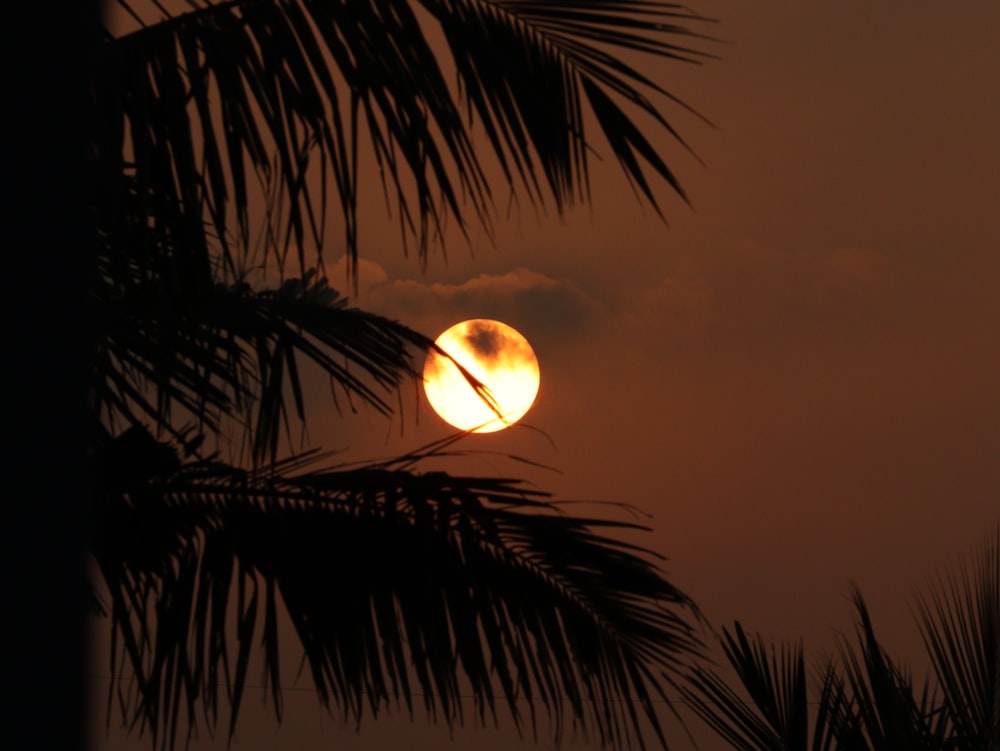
x,y
798,379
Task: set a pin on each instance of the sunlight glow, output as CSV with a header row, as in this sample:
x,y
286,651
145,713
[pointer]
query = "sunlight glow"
x,y
495,354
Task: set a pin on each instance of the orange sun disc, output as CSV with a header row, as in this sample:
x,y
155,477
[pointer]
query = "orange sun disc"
x,y
500,358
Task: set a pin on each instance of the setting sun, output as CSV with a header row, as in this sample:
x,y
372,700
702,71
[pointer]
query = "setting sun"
x,y
496,355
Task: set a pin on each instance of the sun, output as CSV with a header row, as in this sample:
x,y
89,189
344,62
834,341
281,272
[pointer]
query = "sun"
x,y
500,358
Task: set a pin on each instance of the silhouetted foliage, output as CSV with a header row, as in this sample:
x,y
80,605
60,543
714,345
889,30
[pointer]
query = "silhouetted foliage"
x,y
226,135
866,701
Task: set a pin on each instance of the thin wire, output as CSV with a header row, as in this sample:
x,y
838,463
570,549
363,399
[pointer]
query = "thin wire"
x,y
413,695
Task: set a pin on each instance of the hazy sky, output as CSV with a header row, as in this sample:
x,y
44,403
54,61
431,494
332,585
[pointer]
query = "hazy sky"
x,y
798,379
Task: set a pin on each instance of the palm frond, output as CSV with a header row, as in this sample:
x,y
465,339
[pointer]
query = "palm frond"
x,y
224,134
885,711
867,702
959,618
402,588
530,70
771,713
231,349
201,109
832,709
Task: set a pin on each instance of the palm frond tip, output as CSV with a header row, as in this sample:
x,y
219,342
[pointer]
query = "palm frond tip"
x,y
536,608
211,104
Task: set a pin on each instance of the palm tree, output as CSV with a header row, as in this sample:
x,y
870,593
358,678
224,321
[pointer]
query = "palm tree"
x,y
224,134
866,701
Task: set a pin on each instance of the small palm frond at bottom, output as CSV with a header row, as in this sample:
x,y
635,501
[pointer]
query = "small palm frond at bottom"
x,y
959,618
769,711
882,710
402,588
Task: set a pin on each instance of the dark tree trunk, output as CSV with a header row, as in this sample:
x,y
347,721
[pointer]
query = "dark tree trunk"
x,y
47,263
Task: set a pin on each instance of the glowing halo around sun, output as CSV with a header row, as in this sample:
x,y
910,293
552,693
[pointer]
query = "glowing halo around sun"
x,y
500,358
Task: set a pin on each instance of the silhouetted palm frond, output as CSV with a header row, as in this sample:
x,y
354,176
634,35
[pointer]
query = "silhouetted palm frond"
x,y
402,588
230,351
959,617
884,711
770,712
201,109
224,132
866,701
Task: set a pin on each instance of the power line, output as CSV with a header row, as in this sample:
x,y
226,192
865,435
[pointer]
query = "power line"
x,y
419,695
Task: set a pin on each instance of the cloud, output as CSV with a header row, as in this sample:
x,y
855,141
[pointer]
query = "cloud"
x,y
538,305
752,294
857,267
684,306
370,274
741,295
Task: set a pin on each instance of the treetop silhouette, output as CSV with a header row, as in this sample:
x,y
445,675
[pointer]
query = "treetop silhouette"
x,y
233,135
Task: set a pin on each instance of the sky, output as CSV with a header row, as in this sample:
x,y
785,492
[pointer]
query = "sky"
x,y
794,379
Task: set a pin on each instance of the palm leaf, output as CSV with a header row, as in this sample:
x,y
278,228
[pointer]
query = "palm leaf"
x,y
525,66
771,712
457,586
885,711
231,350
959,619
234,125
201,106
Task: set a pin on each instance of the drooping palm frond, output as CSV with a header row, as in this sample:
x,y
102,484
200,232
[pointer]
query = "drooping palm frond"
x,y
959,618
531,70
231,350
200,108
403,589
770,711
